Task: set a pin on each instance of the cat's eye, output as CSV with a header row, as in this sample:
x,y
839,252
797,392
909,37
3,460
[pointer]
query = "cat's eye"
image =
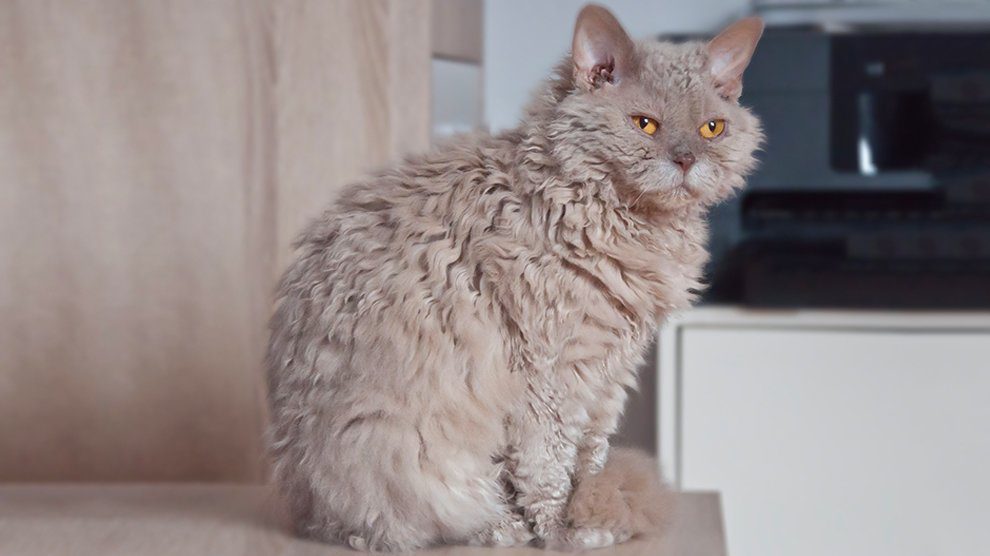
x,y
712,129
648,125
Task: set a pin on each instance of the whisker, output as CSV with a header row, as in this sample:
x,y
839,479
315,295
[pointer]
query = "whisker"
x,y
641,193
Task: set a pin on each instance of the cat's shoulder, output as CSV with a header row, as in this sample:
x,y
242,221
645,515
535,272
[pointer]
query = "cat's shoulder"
x,y
475,150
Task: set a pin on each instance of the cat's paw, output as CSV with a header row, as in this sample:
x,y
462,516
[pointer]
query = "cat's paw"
x,y
584,538
510,532
587,538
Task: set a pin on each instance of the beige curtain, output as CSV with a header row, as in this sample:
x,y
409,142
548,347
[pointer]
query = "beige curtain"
x,y
156,157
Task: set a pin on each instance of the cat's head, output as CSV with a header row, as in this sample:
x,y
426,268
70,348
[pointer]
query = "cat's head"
x,y
662,119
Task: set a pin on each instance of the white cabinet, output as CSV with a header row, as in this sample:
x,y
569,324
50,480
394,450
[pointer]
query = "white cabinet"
x,y
833,433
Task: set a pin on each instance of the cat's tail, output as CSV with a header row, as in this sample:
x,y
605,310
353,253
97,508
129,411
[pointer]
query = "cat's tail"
x,y
627,497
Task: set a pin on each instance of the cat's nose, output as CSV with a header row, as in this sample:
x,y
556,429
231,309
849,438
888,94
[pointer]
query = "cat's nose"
x,y
685,160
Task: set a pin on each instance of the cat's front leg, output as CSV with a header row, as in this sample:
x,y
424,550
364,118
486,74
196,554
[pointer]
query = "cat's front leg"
x,y
594,446
541,463
592,454
542,466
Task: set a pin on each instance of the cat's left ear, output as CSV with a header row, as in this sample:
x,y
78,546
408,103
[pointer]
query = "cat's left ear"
x,y
730,52
601,49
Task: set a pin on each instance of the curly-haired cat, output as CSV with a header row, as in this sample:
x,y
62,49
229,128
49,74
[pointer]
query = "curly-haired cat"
x,y
452,348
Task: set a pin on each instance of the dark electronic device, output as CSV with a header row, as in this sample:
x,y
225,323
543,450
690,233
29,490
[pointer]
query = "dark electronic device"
x,y
874,185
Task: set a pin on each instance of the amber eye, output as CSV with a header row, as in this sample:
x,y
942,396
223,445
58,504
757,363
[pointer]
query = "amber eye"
x,y
648,125
712,129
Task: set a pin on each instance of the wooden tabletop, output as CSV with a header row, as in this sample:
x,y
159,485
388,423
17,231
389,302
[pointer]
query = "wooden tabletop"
x,y
185,519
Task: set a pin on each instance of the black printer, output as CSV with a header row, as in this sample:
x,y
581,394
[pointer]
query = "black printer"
x,y
874,184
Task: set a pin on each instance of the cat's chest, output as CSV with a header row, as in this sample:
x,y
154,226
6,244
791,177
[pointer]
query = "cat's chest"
x,y
641,289
612,309
599,336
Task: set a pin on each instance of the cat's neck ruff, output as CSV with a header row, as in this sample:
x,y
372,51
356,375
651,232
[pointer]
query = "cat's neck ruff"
x,y
587,220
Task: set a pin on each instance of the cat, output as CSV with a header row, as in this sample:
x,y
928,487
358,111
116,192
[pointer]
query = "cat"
x,y
452,348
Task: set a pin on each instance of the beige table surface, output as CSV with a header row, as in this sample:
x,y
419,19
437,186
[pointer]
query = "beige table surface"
x,y
185,519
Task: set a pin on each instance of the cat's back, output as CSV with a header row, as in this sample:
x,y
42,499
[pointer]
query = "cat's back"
x,y
401,248
412,203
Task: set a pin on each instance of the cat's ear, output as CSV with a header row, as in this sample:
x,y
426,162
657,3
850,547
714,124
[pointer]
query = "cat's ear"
x,y
601,50
730,52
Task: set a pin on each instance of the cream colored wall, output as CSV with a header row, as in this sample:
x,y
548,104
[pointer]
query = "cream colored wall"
x,y
155,160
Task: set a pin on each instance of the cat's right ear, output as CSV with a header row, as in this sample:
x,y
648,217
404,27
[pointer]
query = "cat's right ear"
x,y
601,50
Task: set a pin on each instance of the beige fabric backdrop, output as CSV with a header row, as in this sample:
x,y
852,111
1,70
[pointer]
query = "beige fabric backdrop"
x,y
156,158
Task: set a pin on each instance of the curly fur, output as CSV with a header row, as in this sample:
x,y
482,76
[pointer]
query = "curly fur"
x,y
453,345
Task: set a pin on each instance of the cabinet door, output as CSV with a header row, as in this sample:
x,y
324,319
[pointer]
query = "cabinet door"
x,y
830,442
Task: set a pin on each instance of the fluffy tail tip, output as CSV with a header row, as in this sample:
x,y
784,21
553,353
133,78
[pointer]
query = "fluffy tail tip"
x,y
628,497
